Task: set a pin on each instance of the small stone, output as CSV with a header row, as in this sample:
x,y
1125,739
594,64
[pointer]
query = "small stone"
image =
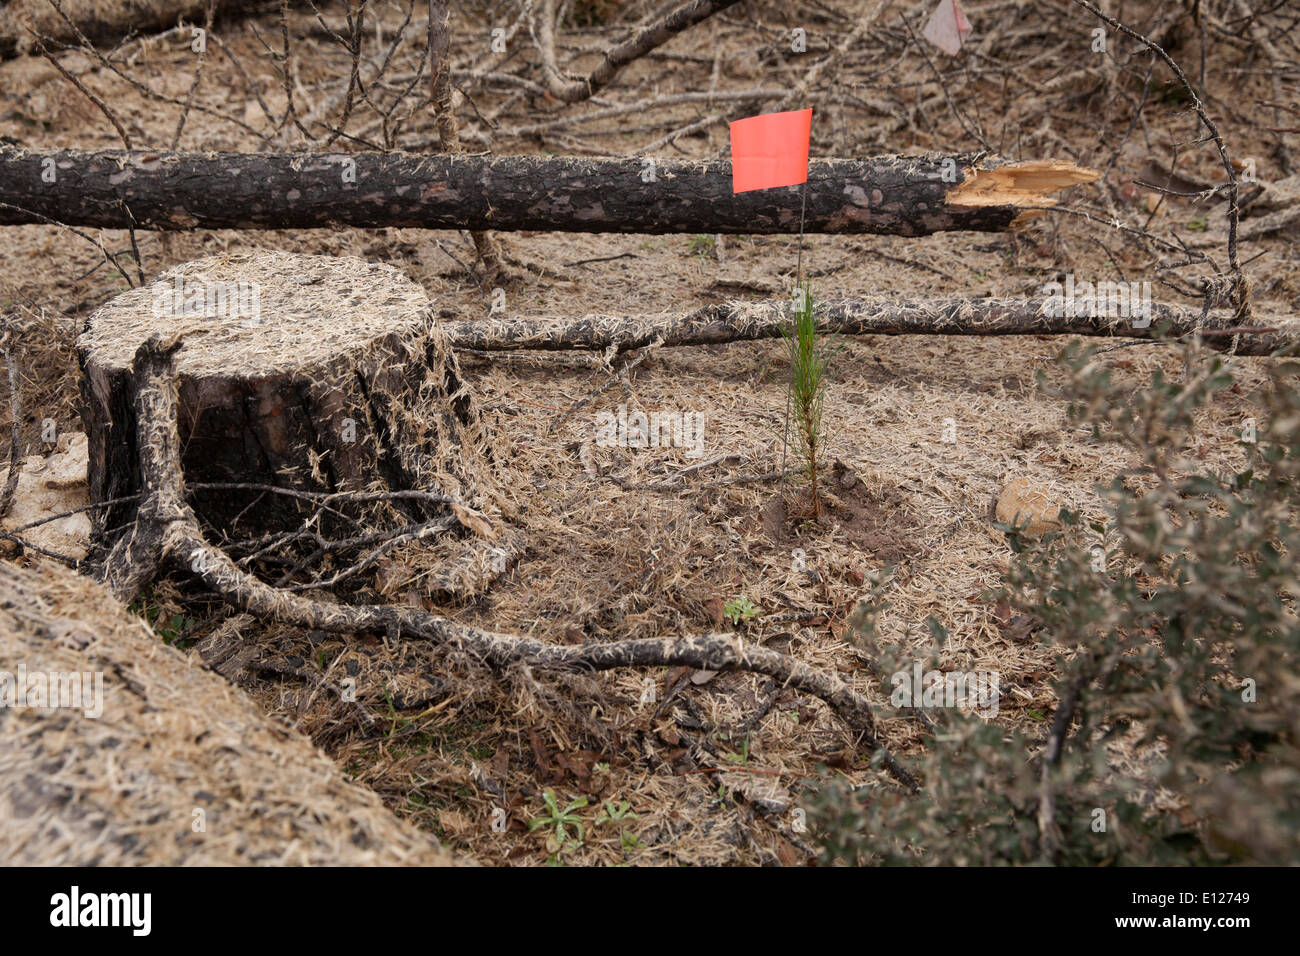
x,y
714,608
1025,500
761,791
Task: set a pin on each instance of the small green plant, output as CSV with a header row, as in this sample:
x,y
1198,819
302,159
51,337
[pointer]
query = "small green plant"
x,y
620,813
561,820
809,360
742,758
738,610
397,720
617,812
170,628
702,244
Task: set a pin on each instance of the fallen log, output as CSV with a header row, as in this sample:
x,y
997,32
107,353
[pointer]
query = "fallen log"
x,y
102,22
874,315
148,759
889,195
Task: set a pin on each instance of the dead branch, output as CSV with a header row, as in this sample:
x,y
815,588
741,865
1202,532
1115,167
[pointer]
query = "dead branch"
x,y
1240,287
440,94
15,426
356,21
616,57
90,50
198,75
95,99
877,315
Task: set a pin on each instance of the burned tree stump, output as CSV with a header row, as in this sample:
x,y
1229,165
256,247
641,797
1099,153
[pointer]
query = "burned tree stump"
x,y
310,373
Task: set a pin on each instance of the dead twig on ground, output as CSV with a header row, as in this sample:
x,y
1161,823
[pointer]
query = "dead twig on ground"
x,y
15,424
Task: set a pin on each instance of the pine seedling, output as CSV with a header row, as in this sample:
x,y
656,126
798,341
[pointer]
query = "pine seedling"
x,y
809,360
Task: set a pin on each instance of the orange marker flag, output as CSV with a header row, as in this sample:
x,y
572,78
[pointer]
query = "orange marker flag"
x,y
770,150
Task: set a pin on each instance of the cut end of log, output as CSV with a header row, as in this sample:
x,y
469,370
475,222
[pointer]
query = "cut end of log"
x,y
1019,184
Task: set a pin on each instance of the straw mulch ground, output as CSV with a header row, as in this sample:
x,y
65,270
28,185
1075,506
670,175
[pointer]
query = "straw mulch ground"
x,y
179,768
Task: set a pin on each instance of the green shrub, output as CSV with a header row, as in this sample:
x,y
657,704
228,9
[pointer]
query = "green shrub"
x,y
1175,627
